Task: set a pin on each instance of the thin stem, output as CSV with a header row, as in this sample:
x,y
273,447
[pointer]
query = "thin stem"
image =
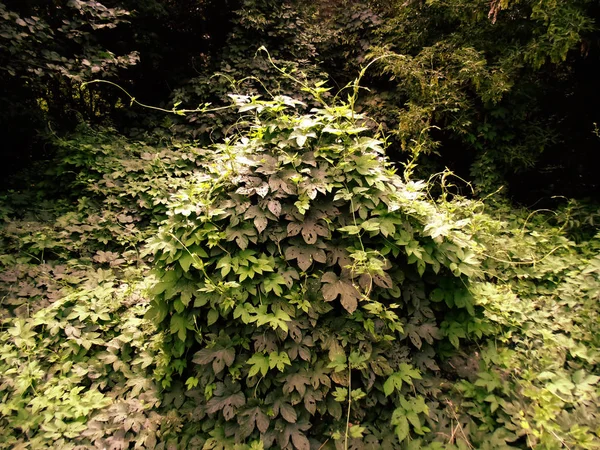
x,y
349,405
170,111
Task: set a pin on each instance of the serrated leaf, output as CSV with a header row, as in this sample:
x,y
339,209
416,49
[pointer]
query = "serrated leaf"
x,y
305,255
310,229
334,287
311,398
273,283
280,182
406,374
241,235
296,381
226,400
259,363
260,217
289,276
253,418
217,355
279,360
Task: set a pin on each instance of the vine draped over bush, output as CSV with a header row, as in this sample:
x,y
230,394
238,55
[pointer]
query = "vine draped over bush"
x,y
300,281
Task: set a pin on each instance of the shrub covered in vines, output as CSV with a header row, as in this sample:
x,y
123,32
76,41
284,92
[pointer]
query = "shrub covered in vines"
x,y
301,284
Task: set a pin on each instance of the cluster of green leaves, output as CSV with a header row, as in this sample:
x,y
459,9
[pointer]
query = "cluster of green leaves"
x,y
64,364
76,355
298,284
99,202
46,50
538,378
133,178
31,26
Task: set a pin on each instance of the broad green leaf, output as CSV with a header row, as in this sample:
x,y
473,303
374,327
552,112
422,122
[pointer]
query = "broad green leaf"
x,y
259,363
179,325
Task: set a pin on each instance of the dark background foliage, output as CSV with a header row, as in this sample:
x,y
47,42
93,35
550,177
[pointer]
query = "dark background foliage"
x,y
503,93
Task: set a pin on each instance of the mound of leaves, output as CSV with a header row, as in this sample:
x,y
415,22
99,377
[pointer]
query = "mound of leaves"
x,y
302,283
76,355
535,384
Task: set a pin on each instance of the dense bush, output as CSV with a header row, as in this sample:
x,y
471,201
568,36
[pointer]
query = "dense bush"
x,y
46,50
283,27
484,88
302,280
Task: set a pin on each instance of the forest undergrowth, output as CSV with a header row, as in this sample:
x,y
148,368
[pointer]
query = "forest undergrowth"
x,y
289,288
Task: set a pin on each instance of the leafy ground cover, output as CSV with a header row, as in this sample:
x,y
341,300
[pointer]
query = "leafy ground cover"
x,y
287,288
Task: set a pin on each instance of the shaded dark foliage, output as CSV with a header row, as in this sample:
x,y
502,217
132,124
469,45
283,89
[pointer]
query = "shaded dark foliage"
x,y
502,93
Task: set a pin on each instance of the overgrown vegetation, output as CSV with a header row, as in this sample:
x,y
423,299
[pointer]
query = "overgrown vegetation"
x,y
286,267
299,273
305,294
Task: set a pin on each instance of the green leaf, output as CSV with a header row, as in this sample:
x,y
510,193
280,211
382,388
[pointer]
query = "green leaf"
x,y
185,261
192,382
259,363
406,373
279,360
392,383
212,316
437,295
158,312
340,395
179,325
273,283
225,265
401,425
